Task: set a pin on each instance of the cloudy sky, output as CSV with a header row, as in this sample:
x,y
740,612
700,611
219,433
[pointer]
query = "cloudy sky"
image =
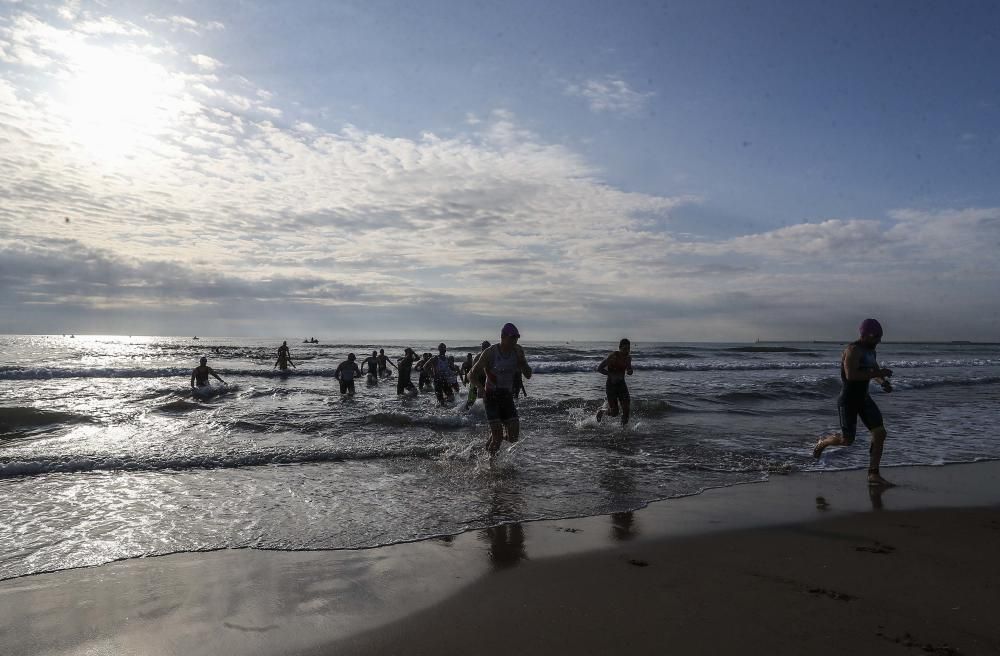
x,y
665,170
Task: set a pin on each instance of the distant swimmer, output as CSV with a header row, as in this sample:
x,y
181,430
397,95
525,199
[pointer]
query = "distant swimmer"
x,y
859,366
475,384
372,364
200,374
403,382
383,364
424,380
284,358
616,366
442,370
345,373
499,363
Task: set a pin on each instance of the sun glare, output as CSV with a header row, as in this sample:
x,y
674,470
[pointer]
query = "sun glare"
x,y
118,103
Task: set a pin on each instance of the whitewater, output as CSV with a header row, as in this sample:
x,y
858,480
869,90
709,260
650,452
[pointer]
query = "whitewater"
x,y
105,454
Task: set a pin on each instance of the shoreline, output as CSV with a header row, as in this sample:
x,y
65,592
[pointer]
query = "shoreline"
x,y
367,600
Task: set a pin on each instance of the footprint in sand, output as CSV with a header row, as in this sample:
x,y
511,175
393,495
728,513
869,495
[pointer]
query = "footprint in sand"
x,y
879,548
638,563
832,594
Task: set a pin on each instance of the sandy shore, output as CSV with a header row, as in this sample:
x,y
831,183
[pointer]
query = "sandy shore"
x,y
803,564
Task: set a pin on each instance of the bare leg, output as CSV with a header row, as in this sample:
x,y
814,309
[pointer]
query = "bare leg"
x,y
836,439
626,411
496,437
875,453
513,429
610,411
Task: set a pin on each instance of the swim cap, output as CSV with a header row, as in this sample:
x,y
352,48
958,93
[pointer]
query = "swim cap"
x,y
204,360
350,356
870,327
442,345
509,330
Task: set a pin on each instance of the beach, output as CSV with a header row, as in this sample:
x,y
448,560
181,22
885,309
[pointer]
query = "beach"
x,y
803,563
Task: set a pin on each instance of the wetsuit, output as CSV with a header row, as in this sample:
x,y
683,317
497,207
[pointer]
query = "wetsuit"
x,y
403,382
615,386
442,372
855,400
201,375
372,363
345,372
499,397
425,375
284,357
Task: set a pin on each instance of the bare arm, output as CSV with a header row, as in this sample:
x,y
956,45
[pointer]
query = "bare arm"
x,y
478,367
523,362
192,377
212,371
603,367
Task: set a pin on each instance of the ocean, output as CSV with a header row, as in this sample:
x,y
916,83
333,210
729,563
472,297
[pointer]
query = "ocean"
x,y
105,454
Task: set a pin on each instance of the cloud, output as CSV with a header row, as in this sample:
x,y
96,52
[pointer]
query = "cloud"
x,y
609,94
188,186
183,23
206,63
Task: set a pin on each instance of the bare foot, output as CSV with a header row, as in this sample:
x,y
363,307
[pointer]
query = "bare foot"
x,y
600,415
818,449
875,479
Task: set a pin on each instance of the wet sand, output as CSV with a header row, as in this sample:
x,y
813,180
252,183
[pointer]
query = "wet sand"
x,y
803,564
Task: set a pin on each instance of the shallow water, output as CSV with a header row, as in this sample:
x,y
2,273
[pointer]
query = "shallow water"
x,y
105,454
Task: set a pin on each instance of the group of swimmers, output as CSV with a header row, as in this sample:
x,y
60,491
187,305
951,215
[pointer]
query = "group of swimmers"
x,y
497,372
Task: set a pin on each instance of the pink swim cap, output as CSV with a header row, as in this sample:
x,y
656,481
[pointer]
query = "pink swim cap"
x,y
870,327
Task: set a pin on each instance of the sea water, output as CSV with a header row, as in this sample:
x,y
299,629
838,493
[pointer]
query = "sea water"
x,y
105,454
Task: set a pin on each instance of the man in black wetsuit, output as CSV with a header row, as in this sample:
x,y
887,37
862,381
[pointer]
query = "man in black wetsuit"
x,y
372,364
403,382
201,373
383,364
859,366
284,357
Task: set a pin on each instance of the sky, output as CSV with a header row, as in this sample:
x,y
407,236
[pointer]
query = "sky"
x,y
669,171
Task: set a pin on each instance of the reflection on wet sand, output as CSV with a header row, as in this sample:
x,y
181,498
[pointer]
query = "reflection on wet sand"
x,y
623,526
506,544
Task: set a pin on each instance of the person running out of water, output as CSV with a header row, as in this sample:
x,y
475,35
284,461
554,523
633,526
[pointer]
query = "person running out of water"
x,y
201,373
616,366
453,372
499,364
466,367
440,369
372,364
403,382
475,384
346,372
284,357
424,380
858,366
383,364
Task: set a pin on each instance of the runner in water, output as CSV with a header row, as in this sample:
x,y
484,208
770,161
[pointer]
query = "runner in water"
x,y
498,363
403,382
440,369
284,358
859,366
201,373
466,367
424,380
616,366
346,372
383,364
452,377
475,384
372,364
